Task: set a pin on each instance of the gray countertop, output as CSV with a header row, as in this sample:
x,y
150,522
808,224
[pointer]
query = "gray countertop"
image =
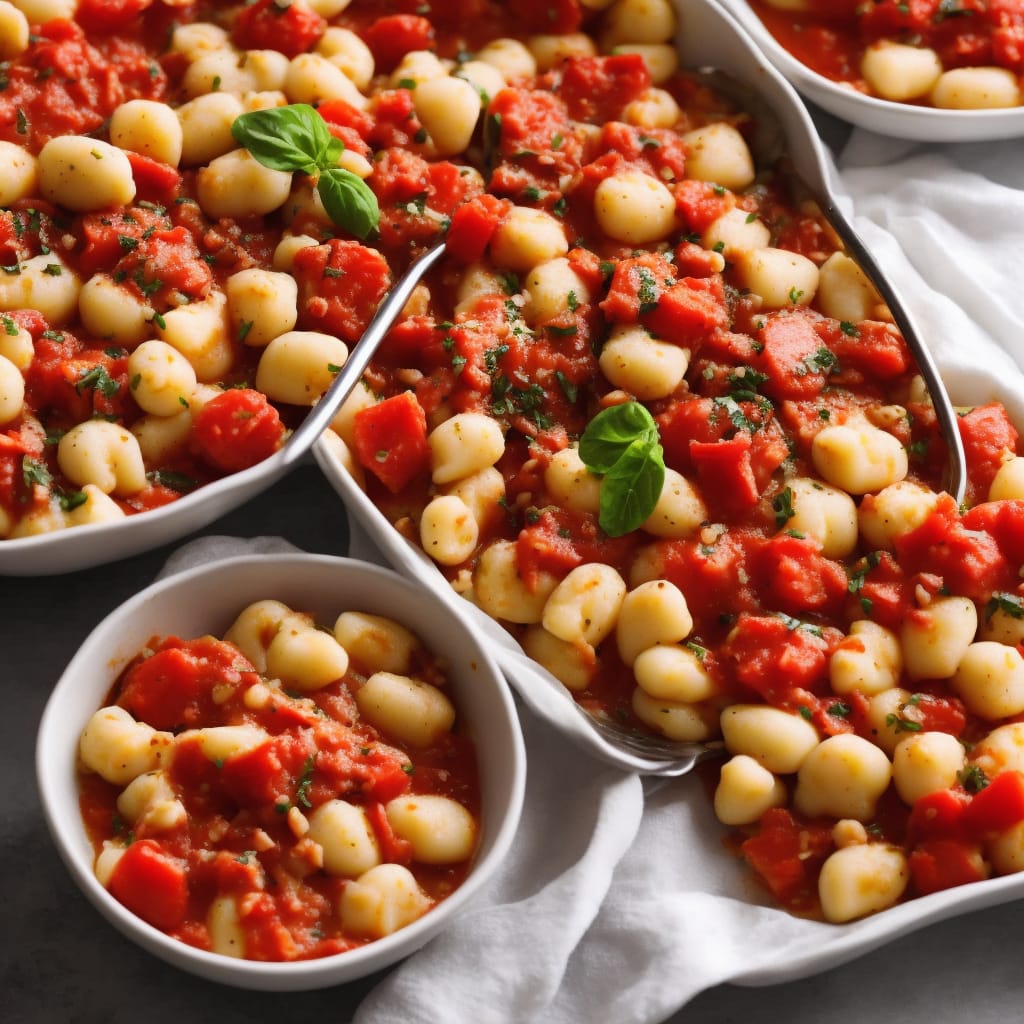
x,y
61,962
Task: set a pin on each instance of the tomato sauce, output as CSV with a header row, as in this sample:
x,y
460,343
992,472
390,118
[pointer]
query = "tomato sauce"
x,y
66,84
770,608
761,379
236,837
831,36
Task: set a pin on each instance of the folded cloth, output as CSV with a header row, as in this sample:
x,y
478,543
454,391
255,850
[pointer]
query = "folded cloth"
x,y
618,901
945,223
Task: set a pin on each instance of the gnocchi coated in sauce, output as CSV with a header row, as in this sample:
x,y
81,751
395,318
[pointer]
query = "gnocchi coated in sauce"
x,y
950,54
758,549
797,585
285,793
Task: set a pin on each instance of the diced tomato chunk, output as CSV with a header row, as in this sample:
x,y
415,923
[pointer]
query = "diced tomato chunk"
x,y
237,429
773,655
793,356
714,578
151,884
938,815
724,468
109,15
529,119
341,283
988,435
174,685
473,225
799,580
970,563
154,181
997,807
163,266
1003,521
598,89
636,287
551,16
291,28
392,36
940,713
689,311
787,855
391,440
938,864
272,771
700,204
560,540
871,347
343,119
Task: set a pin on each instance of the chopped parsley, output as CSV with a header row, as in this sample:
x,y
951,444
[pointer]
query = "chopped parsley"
x,y
1005,602
648,291
972,778
97,379
305,780
34,472
822,361
569,389
793,624
782,504
172,481
509,282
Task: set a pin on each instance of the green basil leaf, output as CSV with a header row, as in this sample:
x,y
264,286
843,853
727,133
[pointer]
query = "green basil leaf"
x,y
631,488
612,431
292,138
349,201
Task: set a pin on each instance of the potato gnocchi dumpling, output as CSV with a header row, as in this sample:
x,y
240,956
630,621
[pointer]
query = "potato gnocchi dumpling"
x,y
288,750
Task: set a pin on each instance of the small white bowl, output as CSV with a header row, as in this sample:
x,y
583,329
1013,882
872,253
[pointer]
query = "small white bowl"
x,y
902,120
206,600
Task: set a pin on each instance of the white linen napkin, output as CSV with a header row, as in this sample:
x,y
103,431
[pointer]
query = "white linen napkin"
x,y
618,902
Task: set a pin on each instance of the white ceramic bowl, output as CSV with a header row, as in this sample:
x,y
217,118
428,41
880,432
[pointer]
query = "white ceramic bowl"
x,y
902,120
206,600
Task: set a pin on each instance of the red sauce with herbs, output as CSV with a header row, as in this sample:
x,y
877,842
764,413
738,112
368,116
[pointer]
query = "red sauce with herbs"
x,y
831,36
236,838
769,606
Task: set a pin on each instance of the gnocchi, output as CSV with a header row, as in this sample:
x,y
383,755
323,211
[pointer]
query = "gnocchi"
x,y
922,61
758,550
315,784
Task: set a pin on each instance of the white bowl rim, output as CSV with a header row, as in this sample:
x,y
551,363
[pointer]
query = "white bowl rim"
x,y
273,976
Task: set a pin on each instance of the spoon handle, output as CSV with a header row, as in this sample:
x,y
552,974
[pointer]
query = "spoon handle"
x,y
359,358
955,481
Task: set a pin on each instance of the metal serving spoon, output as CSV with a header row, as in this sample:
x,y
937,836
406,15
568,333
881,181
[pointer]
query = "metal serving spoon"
x,y
319,417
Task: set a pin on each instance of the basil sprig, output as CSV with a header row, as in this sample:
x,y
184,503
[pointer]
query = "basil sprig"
x,y
296,138
621,444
